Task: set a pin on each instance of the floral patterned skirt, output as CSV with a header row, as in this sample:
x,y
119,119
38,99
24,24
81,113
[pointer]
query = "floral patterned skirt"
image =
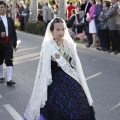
x,y
66,98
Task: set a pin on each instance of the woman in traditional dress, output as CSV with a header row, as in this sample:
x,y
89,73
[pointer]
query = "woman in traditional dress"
x,y
60,91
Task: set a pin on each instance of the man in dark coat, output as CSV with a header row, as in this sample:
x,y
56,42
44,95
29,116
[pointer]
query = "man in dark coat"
x,y
8,42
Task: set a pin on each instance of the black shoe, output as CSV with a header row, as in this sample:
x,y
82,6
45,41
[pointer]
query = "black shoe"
x,y
99,48
2,80
112,50
88,45
116,52
10,83
105,49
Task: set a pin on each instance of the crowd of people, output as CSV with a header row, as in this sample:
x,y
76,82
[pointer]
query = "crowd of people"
x,y
22,13
98,19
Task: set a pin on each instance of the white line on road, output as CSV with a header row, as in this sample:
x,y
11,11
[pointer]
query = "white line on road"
x,y
1,96
95,59
13,112
118,105
93,76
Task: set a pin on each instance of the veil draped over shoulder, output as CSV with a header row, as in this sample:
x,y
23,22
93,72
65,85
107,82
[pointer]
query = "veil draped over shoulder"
x,y
44,78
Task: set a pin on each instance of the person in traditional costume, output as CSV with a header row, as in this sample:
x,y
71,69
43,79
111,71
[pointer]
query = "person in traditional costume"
x,y
8,43
60,91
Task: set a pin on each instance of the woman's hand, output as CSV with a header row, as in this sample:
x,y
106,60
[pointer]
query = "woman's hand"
x,y
87,19
94,16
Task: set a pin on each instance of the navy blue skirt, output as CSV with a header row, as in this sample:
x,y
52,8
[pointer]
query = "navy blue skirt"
x,y
66,98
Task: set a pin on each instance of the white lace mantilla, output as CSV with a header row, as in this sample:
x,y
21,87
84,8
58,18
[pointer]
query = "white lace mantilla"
x,y
44,78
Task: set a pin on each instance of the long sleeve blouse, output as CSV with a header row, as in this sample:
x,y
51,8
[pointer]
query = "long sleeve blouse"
x,y
91,12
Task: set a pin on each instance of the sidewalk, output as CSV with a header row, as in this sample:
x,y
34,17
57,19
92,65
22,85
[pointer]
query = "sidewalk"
x,y
79,45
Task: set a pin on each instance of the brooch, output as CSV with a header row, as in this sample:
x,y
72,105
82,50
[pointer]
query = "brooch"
x,y
57,56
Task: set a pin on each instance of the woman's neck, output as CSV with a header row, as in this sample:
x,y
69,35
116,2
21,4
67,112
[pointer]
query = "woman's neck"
x,y
99,3
59,42
105,8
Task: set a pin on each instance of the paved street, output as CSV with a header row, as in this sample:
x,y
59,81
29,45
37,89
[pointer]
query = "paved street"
x,y
102,71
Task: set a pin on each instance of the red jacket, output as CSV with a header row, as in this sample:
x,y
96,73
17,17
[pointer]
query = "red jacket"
x,y
69,10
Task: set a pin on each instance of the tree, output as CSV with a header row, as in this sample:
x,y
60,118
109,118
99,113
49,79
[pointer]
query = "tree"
x,y
13,9
34,9
62,8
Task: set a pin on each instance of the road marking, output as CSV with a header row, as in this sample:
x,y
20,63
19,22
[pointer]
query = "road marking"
x,y
11,92
118,105
1,96
93,76
13,112
95,59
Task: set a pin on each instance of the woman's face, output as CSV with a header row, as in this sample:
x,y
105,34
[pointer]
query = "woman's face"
x,y
97,0
91,1
104,4
59,30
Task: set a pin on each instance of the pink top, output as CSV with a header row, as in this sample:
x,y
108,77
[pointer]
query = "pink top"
x,y
91,12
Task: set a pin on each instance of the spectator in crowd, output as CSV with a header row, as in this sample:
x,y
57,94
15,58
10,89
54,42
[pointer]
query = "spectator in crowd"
x,y
53,2
105,41
47,14
54,12
26,13
73,21
68,4
78,6
85,7
40,16
21,17
39,5
78,9
8,11
90,19
69,9
97,11
17,12
118,19
113,28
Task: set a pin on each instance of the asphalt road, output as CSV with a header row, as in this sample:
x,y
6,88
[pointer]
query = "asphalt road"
x,y
101,69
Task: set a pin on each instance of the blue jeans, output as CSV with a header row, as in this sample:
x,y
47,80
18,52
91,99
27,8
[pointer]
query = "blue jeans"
x,y
99,34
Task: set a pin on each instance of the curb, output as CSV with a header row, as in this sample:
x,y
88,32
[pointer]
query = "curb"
x,y
79,45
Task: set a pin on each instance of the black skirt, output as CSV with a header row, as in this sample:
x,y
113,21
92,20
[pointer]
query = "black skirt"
x,y
66,98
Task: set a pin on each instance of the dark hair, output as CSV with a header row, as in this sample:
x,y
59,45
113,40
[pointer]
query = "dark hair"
x,y
3,3
94,1
57,6
68,2
107,3
74,11
46,3
56,20
71,3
